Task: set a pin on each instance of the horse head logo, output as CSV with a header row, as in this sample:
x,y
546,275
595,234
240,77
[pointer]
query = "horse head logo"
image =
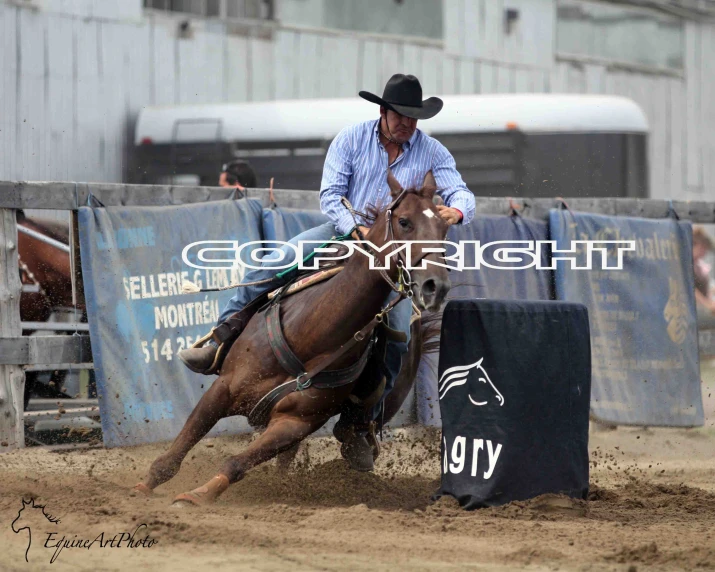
x,y
459,375
16,528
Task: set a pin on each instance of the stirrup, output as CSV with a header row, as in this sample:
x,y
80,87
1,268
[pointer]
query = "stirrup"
x,y
199,343
372,439
220,351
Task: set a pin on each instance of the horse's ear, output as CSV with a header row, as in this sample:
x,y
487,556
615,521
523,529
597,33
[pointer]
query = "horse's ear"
x,y
394,184
429,186
439,201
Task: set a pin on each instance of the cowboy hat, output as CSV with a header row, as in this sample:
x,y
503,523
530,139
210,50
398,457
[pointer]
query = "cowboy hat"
x,y
403,94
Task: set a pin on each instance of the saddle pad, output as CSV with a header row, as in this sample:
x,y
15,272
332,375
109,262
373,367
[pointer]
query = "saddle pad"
x,y
307,281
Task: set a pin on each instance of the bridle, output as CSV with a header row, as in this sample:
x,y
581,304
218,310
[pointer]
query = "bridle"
x,y
404,283
404,278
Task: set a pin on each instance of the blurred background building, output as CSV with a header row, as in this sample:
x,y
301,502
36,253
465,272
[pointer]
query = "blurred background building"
x,y
76,73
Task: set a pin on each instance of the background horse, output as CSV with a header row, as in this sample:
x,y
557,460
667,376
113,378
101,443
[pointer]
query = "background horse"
x,y
316,322
46,269
49,265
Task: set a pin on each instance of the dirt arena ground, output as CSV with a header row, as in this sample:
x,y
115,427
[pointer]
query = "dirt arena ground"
x,y
651,507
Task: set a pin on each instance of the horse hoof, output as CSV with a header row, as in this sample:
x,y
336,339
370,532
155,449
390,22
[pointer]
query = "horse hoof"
x,y
188,500
143,489
182,504
205,494
358,453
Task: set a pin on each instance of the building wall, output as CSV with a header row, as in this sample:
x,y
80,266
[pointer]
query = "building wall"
x,y
75,74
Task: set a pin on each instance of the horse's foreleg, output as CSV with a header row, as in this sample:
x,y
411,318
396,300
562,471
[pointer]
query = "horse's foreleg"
x,y
282,433
211,408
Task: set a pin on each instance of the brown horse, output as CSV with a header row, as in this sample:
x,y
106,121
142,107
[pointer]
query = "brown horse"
x,y
316,322
49,266
46,275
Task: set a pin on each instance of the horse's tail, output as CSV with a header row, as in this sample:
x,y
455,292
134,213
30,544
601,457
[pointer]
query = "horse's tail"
x,y
424,339
429,332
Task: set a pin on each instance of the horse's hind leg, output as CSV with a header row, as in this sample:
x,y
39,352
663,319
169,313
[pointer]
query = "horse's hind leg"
x,y
282,433
286,458
212,407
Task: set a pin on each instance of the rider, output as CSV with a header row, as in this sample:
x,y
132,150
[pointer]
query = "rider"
x,y
356,167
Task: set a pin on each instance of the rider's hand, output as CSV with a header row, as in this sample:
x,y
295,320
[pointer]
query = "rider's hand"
x,y
363,229
452,216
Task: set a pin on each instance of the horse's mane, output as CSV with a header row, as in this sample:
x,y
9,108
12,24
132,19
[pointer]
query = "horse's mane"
x,y
52,228
374,211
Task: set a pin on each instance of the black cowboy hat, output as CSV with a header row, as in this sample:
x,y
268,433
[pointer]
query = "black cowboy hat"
x,y
403,94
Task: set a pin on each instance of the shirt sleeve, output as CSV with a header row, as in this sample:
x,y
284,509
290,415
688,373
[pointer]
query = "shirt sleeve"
x,y
450,184
337,171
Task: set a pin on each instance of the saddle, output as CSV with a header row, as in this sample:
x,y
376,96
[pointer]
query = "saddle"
x,y
226,333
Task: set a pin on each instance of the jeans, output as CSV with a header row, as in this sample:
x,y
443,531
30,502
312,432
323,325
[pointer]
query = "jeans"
x,y
398,318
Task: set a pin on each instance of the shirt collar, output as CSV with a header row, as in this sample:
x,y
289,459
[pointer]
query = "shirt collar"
x,y
407,145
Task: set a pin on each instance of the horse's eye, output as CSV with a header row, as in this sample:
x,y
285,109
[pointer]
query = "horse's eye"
x,y
404,223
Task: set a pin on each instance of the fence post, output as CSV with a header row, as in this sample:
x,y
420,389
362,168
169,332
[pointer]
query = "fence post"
x,y
12,377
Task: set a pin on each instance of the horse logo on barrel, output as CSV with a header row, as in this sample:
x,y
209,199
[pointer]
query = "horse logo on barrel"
x,y
459,375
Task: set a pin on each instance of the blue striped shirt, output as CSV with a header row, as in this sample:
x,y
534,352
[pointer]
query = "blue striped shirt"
x,y
356,167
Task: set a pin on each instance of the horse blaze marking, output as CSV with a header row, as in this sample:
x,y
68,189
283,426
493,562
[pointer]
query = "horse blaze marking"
x,y
454,459
428,213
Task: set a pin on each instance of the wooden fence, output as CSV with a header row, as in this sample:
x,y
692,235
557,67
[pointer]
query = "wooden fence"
x,y
17,351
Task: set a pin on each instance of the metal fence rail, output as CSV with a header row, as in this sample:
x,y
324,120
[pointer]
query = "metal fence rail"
x,y
41,353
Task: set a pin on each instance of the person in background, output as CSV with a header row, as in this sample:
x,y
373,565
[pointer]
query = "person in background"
x,y
702,245
238,174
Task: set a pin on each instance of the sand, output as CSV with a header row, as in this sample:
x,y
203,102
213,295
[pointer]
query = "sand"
x,y
651,507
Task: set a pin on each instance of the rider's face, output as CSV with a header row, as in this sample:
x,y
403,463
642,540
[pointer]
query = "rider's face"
x,y
401,127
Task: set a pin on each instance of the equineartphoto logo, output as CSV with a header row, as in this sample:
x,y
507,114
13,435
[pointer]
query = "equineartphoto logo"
x,y
23,520
39,528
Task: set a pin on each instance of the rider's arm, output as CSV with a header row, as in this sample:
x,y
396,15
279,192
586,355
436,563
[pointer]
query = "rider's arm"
x,y
451,187
337,171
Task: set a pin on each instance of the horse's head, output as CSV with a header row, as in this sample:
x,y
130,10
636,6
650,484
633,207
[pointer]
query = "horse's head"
x,y
21,513
25,503
413,216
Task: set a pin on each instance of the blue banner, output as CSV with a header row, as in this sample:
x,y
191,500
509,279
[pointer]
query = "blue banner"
x,y
644,341
284,224
486,282
139,318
